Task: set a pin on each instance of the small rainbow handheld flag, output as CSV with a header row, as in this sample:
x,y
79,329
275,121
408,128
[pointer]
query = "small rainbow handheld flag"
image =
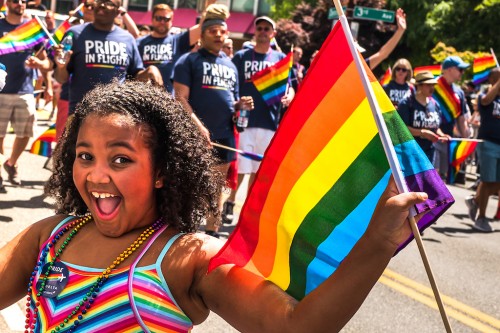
x,y
458,151
447,100
481,68
58,35
324,173
387,77
434,69
43,144
272,82
23,37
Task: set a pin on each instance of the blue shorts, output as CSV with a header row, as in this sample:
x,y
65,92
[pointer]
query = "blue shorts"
x,y
489,160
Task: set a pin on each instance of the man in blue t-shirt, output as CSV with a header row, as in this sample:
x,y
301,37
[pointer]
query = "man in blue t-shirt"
x,y
263,120
452,69
161,49
206,83
101,52
489,153
17,104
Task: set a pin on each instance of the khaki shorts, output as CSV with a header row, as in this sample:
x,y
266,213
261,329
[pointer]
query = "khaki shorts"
x,y
20,111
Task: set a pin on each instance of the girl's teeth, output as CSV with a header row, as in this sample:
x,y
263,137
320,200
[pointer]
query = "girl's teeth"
x,y
102,195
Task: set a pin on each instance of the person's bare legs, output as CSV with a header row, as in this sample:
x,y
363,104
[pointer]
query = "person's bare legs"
x,y
484,191
18,147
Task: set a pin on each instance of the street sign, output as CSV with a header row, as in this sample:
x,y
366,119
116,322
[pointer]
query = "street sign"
x,y
366,13
332,13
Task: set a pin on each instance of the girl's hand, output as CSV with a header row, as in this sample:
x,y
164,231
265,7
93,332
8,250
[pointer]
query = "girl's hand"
x,y
389,222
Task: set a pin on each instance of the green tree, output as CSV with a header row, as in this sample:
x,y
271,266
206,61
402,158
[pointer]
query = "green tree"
x,y
469,26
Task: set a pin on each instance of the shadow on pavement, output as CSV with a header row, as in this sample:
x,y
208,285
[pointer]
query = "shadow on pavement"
x,y
5,219
34,202
459,232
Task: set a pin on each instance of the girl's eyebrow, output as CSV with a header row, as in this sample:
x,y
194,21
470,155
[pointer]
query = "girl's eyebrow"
x,y
82,144
113,144
123,144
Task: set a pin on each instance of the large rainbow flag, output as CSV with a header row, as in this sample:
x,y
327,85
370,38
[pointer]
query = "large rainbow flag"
x,y
272,82
481,68
434,69
43,144
387,76
23,37
458,151
322,176
447,100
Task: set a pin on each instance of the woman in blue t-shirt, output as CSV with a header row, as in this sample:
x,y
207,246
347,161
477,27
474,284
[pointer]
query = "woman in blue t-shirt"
x,y
399,87
422,115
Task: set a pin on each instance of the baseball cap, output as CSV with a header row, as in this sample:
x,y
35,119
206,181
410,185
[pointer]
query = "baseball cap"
x,y
267,19
454,61
425,77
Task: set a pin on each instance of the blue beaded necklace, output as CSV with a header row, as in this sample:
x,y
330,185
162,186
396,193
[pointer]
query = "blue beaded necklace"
x,y
84,305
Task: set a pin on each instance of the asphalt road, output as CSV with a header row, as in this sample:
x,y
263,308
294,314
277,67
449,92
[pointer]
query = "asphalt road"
x,y
465,263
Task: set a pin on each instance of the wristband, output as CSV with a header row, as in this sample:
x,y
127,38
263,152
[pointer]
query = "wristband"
x,y
123,13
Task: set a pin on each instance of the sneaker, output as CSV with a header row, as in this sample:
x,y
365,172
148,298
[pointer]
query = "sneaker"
x,y
227,212
212,233
471,204
12,172
482,224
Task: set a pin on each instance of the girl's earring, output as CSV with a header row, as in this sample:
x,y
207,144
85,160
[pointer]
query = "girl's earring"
x,y
158,184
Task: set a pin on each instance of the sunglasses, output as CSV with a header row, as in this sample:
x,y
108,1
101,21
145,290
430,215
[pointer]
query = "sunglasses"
x,y
108,4
400,69
89,5
263,29
165,19
18,1
228,47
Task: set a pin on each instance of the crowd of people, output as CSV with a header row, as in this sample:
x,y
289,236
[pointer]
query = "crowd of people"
x,y
150,106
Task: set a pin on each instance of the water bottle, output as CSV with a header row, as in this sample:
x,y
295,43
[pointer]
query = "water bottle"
x,y
67,44
242,118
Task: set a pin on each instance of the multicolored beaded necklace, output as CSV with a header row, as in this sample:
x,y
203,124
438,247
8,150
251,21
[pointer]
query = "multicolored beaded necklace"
x,y
84,305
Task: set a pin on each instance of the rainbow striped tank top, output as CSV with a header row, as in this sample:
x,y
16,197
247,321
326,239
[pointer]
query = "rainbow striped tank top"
x,y
113,309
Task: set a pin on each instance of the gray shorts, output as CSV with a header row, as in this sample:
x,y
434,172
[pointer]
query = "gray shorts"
x,y
20,111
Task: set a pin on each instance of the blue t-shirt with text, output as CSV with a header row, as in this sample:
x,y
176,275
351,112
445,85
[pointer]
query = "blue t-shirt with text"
x,y
248,62
98,58
421,116
397,92
213,85
163,53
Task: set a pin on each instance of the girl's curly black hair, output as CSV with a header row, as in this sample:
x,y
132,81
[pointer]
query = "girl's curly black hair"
x,y
180,153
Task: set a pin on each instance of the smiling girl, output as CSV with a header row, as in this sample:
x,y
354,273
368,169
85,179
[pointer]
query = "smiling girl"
x,y
133,179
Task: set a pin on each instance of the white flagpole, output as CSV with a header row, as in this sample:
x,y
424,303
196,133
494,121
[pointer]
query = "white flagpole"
x,y
465,139
392,158
45,30
494,57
